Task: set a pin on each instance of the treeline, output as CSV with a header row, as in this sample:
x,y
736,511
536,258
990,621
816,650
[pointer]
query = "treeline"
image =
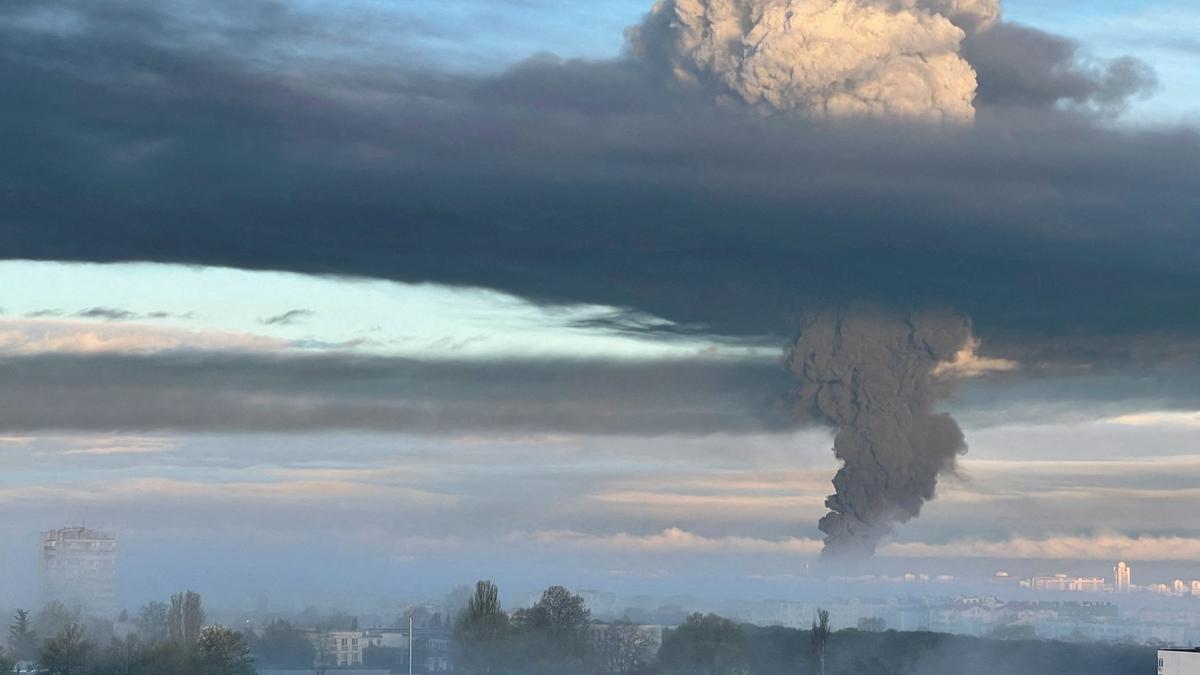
x,y
554,636
170,639
776,651
557,636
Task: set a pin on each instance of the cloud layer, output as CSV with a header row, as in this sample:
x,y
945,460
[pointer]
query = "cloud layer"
x,y
213,391
596,182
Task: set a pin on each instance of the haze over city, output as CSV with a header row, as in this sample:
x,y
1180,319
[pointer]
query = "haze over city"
x,y
694,304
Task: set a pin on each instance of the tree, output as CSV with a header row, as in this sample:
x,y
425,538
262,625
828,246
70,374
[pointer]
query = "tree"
x,y
561,613
22,639
283,646
185,618
705,645
54,618
7,662
457,599
820,636
66,653
1013,631
223,651
152,621
121,657
872,625
561,621
622,648
481,628
165,657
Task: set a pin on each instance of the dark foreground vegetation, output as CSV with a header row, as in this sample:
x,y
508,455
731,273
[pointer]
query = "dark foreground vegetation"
x,y
556,636
552,638
171,639
774,651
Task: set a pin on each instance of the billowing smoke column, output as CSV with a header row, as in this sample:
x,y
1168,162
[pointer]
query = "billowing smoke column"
x,y
822,58
872,376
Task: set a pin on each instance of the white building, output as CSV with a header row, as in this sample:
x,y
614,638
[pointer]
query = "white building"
x,y
1178,662
1122,578
79,568
341,648
1067,584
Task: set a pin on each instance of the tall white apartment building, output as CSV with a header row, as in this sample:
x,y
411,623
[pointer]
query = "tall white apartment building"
x,y
1122,578
79,568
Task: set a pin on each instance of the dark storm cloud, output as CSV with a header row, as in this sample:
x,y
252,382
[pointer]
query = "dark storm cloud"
x,y
107,314
212,392
218,391
594,182
1023,66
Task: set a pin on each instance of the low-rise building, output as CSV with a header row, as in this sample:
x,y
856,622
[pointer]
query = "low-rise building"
x,y
1178,662
340,648
1068,584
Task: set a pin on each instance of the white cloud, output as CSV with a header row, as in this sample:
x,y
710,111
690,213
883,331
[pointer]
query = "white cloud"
x,y
1163,418
670,540
714,502
119,445
24,337
230,497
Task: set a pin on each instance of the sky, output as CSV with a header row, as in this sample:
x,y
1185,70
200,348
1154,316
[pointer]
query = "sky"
x,y
321,300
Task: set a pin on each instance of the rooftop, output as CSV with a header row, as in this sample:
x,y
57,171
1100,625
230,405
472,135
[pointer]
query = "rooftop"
x,y
78,533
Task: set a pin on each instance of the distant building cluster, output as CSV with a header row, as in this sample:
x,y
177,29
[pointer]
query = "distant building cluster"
x,y
1067,584
78,567
1122,582
349,648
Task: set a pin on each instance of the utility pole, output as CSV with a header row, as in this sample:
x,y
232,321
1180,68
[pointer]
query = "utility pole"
x,y
410,643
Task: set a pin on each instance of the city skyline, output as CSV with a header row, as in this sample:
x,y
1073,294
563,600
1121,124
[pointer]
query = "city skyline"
x,y
77,566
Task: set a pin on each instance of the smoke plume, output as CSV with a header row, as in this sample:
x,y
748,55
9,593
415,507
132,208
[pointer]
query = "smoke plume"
x,y
822,58
871,375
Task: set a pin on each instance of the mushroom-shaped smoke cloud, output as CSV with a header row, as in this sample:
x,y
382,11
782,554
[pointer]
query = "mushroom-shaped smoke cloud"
x,y
872,376
822,58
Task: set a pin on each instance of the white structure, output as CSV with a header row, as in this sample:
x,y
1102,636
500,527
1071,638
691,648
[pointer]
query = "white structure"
x,y
1178,662
1066,584
1122,578
79,568
341,648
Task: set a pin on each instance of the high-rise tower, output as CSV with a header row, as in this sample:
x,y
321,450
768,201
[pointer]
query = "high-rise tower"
x,y
79,569
1122,575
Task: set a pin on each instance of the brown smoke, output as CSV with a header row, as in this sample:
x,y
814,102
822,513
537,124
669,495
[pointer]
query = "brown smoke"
x,y
822,58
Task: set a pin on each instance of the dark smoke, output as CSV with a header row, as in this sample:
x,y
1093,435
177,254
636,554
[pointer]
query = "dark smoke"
x,y
871,375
